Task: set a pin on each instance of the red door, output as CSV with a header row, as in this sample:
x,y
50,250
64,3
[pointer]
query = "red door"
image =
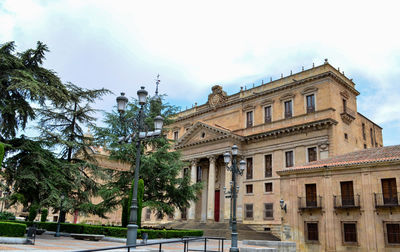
x,y
216,206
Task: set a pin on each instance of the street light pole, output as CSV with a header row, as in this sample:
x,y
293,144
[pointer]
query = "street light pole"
x,y
233,191
138,137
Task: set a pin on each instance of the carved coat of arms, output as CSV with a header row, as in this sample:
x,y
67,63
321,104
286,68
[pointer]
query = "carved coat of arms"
x,y
217,97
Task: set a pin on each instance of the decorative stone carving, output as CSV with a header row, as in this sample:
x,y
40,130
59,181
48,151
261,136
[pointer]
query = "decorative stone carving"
x,y
309,90
287,96
217,97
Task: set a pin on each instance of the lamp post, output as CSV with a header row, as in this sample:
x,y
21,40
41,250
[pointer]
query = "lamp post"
x,y
5,194
137,137
234,190
57,234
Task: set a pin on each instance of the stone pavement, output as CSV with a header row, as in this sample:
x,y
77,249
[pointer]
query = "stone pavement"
x,y
50,243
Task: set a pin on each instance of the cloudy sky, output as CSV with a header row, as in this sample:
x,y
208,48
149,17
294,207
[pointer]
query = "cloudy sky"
x,y
121,45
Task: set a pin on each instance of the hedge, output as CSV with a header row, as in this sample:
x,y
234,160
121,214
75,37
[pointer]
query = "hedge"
x,y
10,229
111,231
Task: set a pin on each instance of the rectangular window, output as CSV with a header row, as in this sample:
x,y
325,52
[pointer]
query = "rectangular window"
x,y
160,216
344,105
312,154
349,233
268,165
347,193
171,216
148,213
249,189
199,174
268,211
249,168
393,233
267,114
372,137
249,119
363,131
185,172
389,191
268,187
176,135
289,158
311,195
310,103
248,208
346,137
365,146
288,109
184,214
312,231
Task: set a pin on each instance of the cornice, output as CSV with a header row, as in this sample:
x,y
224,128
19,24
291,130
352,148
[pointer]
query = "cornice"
x,y
234,99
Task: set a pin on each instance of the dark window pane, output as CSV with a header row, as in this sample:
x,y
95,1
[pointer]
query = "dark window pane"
x,y
311,195
312,154
393,233
249,188
268,210
249,121
267,114
312,231
176,135
350,232
268,166
372,136
389,190
199,174
347,193
289,158
249,211
268,187
310,103
249,170
288,109
363,131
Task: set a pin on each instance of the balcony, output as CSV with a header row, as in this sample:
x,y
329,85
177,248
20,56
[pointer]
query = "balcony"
x,y
348,115
386,200
310,109
310,203
346,202
288,114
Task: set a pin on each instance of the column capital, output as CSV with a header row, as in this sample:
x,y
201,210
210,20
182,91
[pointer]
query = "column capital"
x,y
212,158
193,161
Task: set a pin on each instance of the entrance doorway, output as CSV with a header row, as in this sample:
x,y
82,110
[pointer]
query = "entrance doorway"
x,y
216,206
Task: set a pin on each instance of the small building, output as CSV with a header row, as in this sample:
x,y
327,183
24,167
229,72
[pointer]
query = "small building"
x,y
346,202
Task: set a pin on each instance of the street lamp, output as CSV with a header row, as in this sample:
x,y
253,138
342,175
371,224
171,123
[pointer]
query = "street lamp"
x,y
234,190
137,137
57,234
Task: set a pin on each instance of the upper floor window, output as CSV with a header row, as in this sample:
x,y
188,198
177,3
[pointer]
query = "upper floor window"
x,y
392,233
288,109
311,195
268,187
289,158
268,165
363,131
267,114
349,232
310,103
389,191
311,231
268,210
249,119
372,136
249,188
176,135
249,168
347,191
312,154
344,105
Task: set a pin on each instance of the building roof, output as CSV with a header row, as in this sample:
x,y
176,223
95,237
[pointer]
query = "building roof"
x,y
373,155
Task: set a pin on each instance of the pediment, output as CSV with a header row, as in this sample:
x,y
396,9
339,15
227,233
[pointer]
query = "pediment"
x,y
201,133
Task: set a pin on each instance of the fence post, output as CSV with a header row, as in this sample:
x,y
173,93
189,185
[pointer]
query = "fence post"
x,y
205,244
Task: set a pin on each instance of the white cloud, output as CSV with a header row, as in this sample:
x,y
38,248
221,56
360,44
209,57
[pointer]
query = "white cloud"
x,y
193,45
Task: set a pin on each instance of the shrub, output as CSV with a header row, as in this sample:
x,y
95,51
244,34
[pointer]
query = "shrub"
x,y
10,229
7,216
140,194
44,214
32,212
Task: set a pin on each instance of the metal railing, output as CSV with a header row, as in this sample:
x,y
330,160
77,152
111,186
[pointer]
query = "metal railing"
x,y
387,200
310,203
310,109
340,201
186,242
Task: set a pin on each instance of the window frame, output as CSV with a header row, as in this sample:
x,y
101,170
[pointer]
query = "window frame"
x,y
284,108
343,233
306,105
271,210
252,119
271,112
246,211
385,233
252,168
176,135
252,189
308,155
147,216
199,173
265,165
293,158
306,232
272,187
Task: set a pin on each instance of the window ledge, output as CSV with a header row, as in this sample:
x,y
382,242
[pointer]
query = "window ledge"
x,y
249,194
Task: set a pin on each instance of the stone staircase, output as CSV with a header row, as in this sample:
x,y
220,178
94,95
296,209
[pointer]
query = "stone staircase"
x,y
245,232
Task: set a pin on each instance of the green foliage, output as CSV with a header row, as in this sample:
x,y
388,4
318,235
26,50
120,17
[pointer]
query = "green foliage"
x,y
23,81
43,216
10,229
7,216
125,212
1,153
160,165
33,210
140,202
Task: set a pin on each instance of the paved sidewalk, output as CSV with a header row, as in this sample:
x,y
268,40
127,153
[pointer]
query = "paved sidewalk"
x,y
50,243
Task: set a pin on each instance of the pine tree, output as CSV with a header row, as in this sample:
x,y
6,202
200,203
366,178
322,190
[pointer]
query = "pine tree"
x,y
164,189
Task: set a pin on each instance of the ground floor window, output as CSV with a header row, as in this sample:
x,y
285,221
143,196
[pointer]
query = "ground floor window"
x,y
148,213
248,208
268,211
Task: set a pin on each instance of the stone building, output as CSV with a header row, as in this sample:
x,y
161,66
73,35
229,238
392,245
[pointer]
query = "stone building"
x,y
347,202
305,117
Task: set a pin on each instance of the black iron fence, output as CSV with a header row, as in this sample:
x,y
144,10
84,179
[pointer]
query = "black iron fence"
x,y
310,202
387,200
346,201
185,241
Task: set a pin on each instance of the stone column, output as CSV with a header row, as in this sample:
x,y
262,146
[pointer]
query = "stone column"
x,y
192,207
211,189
